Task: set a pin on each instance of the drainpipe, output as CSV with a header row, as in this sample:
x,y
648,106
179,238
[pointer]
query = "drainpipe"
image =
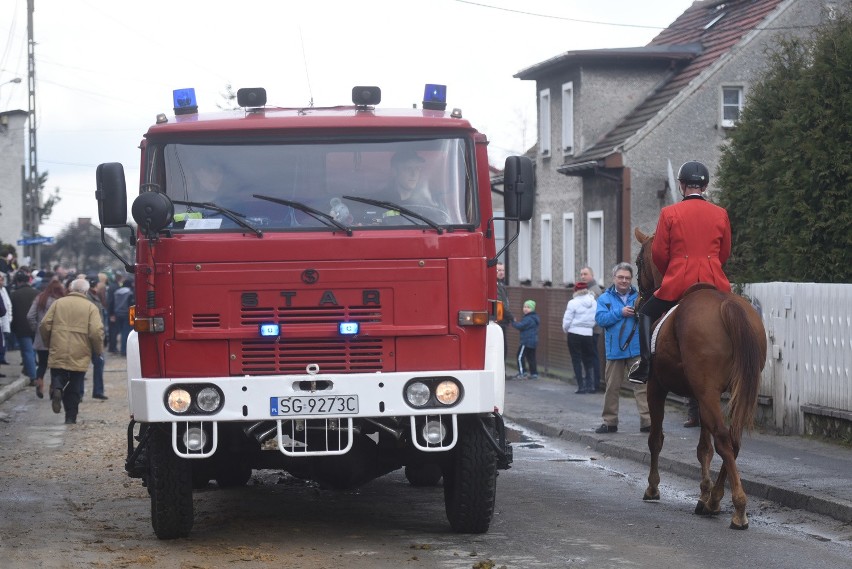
x,y
624,230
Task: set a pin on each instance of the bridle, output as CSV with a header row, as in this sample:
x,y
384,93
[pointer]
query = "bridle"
x,y
642,277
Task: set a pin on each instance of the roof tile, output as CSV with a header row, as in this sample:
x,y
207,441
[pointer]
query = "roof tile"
x,y
739,17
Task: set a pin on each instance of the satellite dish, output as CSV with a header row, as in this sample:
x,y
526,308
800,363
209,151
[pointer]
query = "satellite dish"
x,y
673,188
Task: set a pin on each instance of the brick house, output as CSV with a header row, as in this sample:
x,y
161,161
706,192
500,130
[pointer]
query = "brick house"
x,y
614,127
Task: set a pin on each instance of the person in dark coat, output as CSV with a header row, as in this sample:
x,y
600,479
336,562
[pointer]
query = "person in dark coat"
x,y
22,298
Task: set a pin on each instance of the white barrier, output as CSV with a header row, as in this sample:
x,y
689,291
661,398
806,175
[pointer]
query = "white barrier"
x,y
809,360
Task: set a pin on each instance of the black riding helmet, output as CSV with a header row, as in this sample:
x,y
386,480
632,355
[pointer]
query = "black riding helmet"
x,y
694,173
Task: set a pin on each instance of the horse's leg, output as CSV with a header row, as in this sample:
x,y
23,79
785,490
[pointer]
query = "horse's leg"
x,y
728,451
705,456
656,406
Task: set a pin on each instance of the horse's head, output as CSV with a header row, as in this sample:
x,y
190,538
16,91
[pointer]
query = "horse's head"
x,y
647,276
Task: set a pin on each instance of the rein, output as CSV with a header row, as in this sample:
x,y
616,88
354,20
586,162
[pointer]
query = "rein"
x,y
644,292
632,331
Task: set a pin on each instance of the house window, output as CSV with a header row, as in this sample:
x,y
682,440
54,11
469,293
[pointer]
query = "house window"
x,y
568,119
732,105
525,252
595,242
568,263
546,250
544,122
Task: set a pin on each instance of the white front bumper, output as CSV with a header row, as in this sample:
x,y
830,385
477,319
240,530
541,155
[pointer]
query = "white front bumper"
x,y
248,398
379,394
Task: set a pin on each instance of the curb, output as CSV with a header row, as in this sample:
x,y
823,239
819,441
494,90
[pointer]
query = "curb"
x,y
754,487
10,389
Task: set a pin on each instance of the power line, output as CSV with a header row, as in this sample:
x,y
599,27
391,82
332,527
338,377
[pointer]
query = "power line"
x,y
552,17
620,25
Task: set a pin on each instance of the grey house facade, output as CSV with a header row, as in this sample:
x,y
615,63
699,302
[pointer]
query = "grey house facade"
x,y
12,160
615,125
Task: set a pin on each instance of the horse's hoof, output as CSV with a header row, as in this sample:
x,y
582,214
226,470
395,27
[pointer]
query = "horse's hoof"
x,y
650,497
701,509
735,526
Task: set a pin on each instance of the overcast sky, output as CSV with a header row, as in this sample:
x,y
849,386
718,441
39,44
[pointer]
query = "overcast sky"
x,y
105,68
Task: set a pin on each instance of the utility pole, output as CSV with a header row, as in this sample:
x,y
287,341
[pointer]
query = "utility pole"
x,y
32,192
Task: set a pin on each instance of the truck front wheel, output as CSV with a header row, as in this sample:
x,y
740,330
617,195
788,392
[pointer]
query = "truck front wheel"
x,y
470,480
170,487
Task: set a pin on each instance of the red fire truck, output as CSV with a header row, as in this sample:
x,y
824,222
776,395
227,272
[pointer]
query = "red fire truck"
x,y
315,293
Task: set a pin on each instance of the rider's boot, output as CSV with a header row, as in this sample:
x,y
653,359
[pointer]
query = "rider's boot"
x,y
639,372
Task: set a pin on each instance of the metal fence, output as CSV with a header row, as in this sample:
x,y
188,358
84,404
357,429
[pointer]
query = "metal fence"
x,y
809,360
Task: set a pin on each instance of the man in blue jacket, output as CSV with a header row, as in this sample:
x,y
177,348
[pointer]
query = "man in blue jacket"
x,y
616,315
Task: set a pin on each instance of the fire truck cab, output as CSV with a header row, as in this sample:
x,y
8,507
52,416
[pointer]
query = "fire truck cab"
x,y
315,293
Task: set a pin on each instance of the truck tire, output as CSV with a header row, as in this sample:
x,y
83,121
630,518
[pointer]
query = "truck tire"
x,y
170,487
470,481
423,474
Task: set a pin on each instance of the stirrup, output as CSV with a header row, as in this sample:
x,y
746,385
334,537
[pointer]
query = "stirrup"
x,y
635,368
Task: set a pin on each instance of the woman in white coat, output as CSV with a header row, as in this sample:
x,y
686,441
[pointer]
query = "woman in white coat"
x,y
578,322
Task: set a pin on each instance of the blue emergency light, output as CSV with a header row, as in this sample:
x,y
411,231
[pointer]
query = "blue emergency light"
x,y
270,330
435,97
184,101
348,328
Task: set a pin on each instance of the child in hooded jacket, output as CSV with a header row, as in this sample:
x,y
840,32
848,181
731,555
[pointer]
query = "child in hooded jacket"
x,y
528,326
578,322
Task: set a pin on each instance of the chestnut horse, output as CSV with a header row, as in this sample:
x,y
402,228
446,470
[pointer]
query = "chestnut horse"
x,y
713,342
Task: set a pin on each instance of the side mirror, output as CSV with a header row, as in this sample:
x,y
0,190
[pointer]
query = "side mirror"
x,y
519,188
111,194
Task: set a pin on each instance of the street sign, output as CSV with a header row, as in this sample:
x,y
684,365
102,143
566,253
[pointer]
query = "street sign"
x,y
36,241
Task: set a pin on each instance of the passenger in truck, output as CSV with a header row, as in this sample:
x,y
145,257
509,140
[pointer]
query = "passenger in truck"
x,y
208,183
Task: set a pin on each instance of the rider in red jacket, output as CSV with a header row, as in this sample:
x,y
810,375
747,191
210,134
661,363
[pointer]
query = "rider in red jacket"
x,y
691,243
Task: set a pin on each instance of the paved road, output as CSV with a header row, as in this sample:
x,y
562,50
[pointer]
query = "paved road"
x,y
796,472
66,502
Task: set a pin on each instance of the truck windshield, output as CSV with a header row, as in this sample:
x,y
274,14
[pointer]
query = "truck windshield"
x,y
357,184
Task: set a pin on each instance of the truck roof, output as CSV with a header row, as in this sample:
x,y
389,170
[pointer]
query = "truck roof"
x,y
308,118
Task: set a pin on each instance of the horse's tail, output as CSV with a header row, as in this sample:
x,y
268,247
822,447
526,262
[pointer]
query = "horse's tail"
x,y
746,365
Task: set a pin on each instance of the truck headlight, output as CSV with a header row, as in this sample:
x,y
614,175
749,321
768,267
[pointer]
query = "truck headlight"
x,y
179,400
194,439
447,392
417,394
434,432
209,399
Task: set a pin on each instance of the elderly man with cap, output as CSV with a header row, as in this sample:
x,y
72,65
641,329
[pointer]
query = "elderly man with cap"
x,y
72,330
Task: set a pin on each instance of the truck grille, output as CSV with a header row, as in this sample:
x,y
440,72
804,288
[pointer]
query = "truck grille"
x,y
205,321
333,355
251,316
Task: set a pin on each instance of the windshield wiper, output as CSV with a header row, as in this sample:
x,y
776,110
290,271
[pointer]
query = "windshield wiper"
x,y
320,216
232,215
403,210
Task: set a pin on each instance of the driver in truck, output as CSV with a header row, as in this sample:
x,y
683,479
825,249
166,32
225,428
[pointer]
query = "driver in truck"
x,y
406,187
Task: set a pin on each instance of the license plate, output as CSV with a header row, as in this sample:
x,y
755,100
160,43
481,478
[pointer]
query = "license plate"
x,y
307,405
